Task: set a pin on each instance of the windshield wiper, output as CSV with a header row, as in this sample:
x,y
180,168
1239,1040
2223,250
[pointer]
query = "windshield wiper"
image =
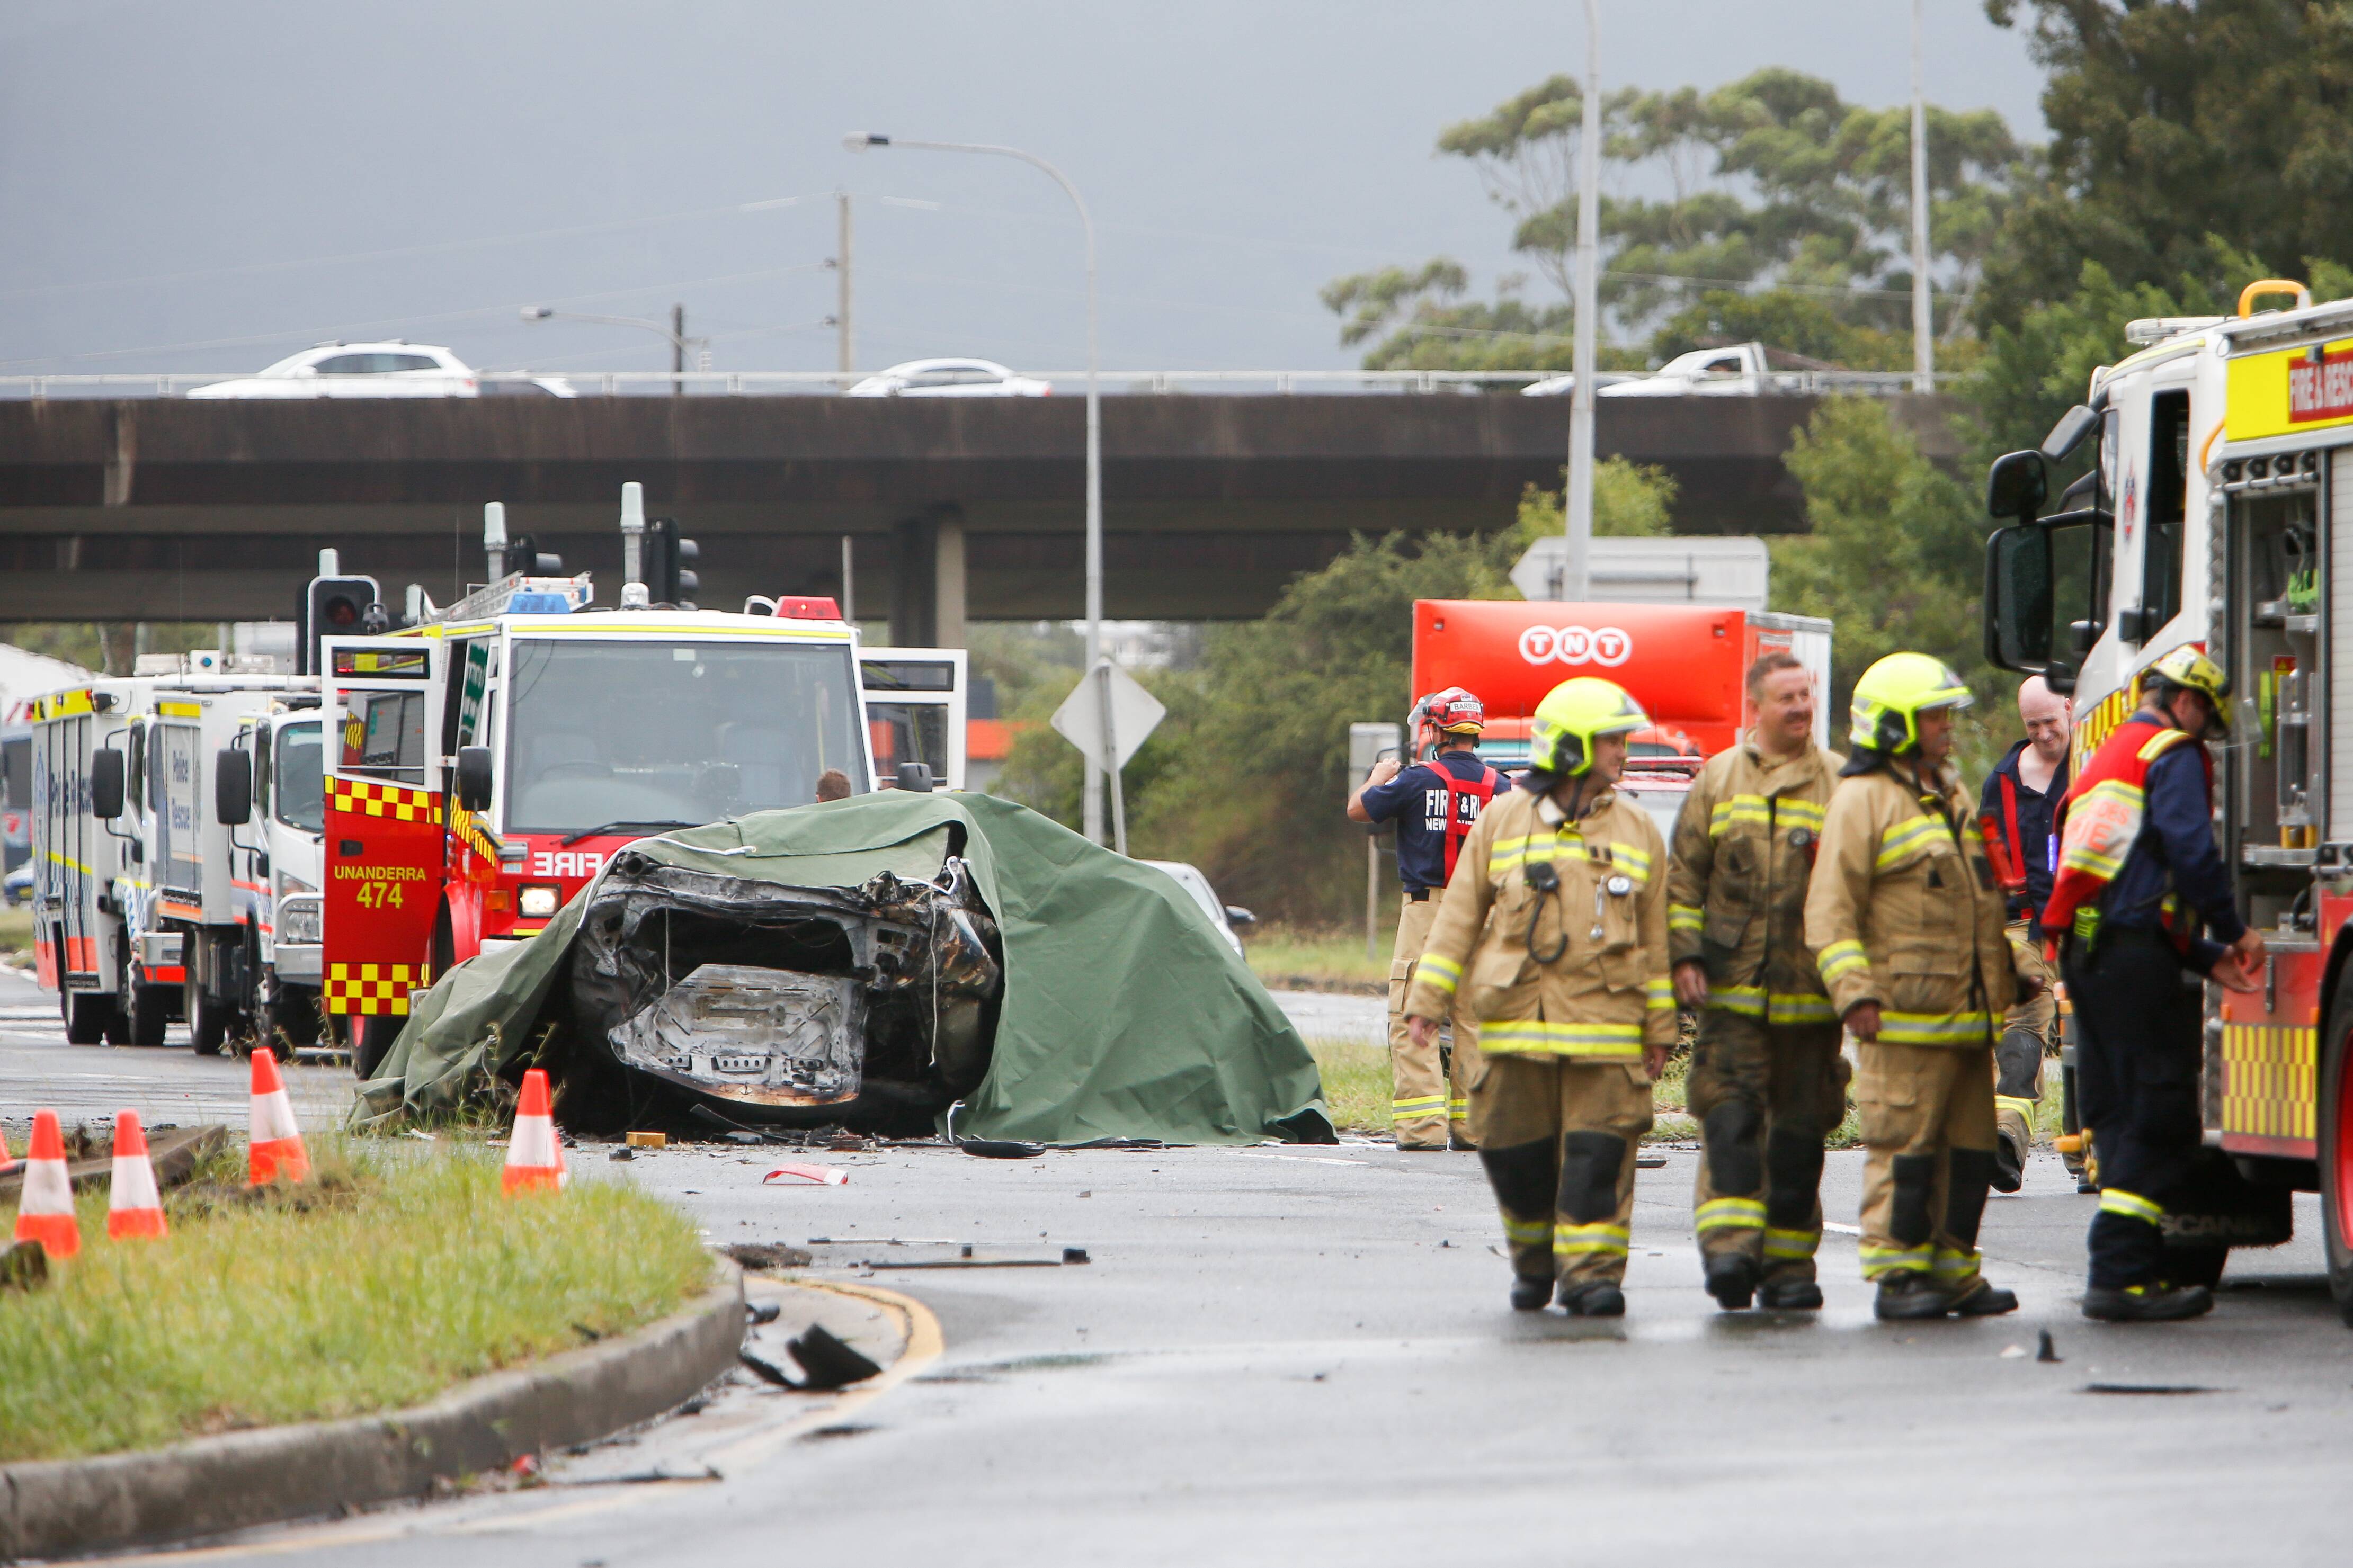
x,y
629,823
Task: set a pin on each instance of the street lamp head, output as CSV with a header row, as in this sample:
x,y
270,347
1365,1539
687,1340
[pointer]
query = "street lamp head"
x,y
536,312
858,141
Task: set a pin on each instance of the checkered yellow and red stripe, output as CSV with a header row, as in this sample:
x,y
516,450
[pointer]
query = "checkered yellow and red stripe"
x,y
395,802
373,990
2269,1086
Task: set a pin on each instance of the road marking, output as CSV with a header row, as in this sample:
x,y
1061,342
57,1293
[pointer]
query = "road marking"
x,y
924,1345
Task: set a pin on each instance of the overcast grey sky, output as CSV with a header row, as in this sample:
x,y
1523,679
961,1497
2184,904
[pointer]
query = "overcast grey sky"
x,y
210,186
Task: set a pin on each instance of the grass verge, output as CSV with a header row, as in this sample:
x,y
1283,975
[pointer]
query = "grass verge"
x,y
1355,1083
15,930
1296,958
381,1283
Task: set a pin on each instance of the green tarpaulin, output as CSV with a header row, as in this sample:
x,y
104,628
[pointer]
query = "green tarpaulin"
x,y
1126,1014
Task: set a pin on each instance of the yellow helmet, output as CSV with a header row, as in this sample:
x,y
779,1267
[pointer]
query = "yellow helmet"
x,y
2189,667
1572,716
1894,692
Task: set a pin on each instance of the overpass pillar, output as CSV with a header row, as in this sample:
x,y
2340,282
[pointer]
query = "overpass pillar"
x,y
927,580
947,580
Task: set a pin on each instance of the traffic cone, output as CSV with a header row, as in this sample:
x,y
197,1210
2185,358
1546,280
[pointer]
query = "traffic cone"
x,y
534,1155
7,1161
45,1211
277,1138
135,1207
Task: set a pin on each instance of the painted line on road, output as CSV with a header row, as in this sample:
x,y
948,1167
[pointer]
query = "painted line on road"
x,y
924,1345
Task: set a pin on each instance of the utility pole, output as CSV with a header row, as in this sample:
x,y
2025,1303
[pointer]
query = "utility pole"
x,y
1576,504
677,349
841,282
1923,336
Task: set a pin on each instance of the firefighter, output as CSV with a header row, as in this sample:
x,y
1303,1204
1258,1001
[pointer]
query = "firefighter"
x,y
1768,1082
2014,808
2139,875
1435,804
1554,936
1905,921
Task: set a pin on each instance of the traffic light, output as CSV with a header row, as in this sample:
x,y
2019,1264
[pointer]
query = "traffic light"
x,y
331,608
523,555
671,578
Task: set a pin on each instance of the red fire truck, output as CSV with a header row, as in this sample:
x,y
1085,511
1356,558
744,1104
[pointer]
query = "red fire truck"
x,y
2222,450
483,764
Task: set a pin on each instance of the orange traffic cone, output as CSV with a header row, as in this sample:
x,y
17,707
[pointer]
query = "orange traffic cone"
x,y
277,1138
135,1208
7,1161
44,1213
535,1156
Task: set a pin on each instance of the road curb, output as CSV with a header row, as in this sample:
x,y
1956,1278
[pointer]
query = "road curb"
x,y
209,1486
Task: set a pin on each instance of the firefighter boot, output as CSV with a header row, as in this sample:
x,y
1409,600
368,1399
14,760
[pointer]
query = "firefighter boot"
x,y
2018,1068
2148,1303
1531,1295
1732,1280
1595,1299
1968,1173
1525,1177
1789,1296
1905,1296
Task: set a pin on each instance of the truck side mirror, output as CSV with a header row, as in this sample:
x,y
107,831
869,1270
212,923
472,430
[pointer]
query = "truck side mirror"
x,y
106,784
2068,434
474,778
2017,598
2017,486
915,776
233,786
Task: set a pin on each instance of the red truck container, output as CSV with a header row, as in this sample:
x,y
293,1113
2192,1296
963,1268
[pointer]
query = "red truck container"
x,y
1684,663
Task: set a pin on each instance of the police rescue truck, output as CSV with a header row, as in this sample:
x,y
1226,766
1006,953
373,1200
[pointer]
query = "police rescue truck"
x,y
483,763
270,795
80,853
2219,511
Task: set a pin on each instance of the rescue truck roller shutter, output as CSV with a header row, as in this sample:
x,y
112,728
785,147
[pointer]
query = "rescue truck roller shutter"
x,y
2217,512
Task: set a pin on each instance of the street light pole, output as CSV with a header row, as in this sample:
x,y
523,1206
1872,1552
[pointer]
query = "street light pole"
x,y
841,264
1097,766
675,333
1923,336
1576,504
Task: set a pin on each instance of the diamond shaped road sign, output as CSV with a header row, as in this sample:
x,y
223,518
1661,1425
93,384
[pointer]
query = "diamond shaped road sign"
x,y
1134,714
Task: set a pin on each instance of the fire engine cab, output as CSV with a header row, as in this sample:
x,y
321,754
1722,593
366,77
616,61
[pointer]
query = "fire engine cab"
x,y
484,764
2219,511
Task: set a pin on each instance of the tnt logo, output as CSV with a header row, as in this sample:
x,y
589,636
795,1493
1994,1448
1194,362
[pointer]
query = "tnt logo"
x,y
1608,646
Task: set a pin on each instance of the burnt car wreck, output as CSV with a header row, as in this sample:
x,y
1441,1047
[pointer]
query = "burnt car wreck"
x,y
765,1004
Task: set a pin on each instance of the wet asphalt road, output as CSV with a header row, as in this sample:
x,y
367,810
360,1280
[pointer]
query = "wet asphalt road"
x,y
1286,1355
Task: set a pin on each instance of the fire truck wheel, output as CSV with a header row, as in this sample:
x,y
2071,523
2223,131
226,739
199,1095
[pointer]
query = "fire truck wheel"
x,y
289,1020
371,1043
207,1019
2335,1126
87,1014
144,1014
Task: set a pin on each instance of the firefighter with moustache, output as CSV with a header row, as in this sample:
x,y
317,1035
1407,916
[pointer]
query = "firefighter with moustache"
x,y
1905,919
2014,812
1767,1082
1434,805
1554,937
2143,908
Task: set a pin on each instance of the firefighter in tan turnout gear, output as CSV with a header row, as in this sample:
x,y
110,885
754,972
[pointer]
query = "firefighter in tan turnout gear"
x,y
1768,1082
1554,933
1905,919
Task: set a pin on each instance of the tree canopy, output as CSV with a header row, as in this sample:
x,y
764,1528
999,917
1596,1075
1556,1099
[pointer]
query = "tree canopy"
x,y
1778,202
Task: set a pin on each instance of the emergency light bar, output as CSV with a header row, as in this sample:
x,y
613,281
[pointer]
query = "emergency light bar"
x,y
516,595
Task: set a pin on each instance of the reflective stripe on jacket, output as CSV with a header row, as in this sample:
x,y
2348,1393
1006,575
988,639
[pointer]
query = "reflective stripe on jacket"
x,y
1906,912
1598,998
1745,845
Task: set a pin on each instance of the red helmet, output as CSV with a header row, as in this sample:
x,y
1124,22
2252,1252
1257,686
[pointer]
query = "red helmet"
x,y
1452,710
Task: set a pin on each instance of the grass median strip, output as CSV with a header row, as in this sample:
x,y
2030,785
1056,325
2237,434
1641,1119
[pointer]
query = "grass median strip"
x,y
384,1282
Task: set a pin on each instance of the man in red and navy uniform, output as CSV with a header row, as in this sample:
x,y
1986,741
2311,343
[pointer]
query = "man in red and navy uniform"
x,y
1434,805
2015,810
2143,906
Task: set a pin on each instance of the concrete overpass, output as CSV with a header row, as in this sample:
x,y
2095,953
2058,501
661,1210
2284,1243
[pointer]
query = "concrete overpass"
x,y
171,509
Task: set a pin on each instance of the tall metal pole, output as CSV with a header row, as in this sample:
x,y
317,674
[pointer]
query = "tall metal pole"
x,y
848,582
677,349
1924,335
1578,504
842,310
1097,671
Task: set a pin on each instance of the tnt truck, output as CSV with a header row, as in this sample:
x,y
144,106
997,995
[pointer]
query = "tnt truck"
x,y
1685,664
483,764
2218,511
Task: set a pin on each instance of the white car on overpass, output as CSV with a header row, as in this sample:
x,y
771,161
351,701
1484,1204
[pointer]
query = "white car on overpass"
x,y
950,378
356,370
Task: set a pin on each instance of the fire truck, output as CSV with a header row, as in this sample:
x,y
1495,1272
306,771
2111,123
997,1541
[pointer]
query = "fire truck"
x,y
483,763
137,919
1685,664
2223,453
